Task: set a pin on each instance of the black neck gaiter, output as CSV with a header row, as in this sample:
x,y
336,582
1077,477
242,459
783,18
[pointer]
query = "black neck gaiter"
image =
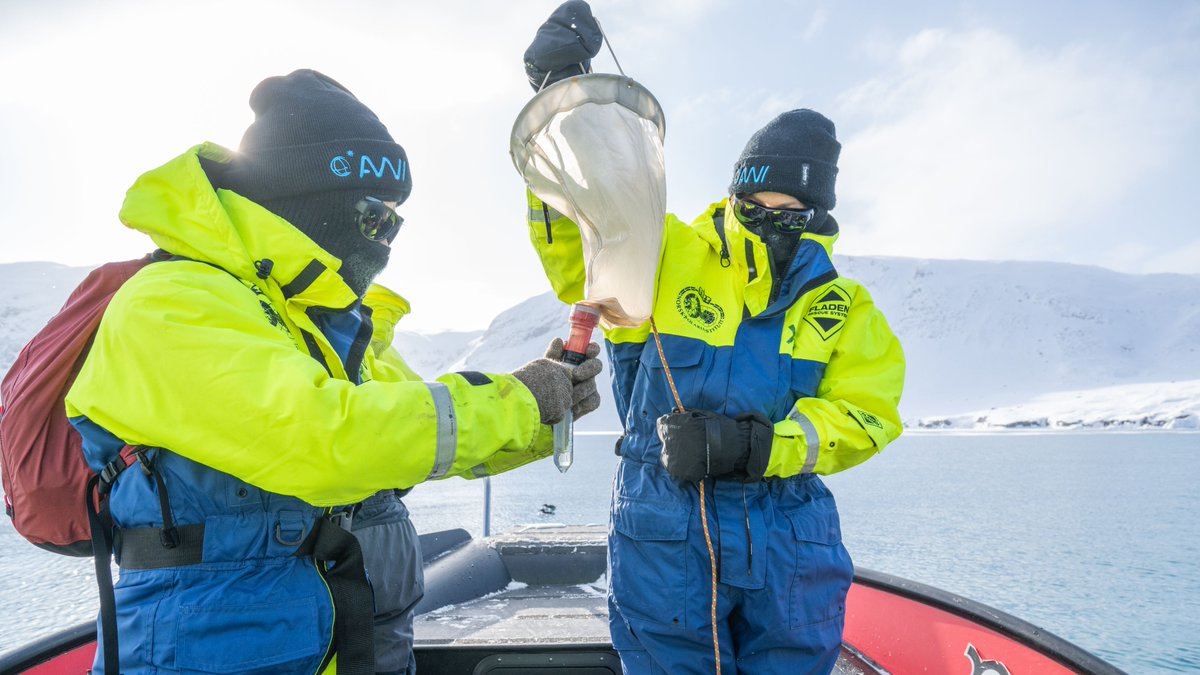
x,y
329,219
782,246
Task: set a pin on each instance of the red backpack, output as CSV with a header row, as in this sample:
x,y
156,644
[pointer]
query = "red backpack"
x,y
41,460
56,501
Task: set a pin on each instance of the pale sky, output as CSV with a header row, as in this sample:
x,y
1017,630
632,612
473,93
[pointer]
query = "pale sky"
x,y
1026,130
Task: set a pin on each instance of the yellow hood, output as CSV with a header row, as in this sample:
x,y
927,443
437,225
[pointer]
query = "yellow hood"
x,y
177,206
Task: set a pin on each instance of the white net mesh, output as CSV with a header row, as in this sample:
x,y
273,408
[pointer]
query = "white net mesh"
x,y
591,148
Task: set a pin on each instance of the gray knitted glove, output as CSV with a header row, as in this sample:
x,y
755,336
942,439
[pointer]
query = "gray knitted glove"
x,y
550,383
584,397
556,386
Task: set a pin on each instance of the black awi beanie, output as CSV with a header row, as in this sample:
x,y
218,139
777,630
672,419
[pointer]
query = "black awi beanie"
x,y
795,154
312,153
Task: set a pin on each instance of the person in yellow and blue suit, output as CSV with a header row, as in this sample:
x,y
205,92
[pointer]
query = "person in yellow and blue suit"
x,y
260,529
784,369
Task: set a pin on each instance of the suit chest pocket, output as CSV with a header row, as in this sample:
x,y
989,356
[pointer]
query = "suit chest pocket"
x,y
687,367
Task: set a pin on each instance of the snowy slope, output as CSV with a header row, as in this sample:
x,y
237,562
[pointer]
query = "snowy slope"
x,y
983,334
1161,405
30,293
979,335
989,344
432,354
522,333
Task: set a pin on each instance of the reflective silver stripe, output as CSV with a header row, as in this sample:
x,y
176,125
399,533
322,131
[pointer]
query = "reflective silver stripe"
x,y
447,430
479,471
810,435
536,215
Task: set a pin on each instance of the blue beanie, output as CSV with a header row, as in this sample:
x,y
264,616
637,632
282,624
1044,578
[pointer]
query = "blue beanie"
x,y
795,154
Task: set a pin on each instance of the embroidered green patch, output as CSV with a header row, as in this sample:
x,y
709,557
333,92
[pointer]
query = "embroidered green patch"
x,y
698,309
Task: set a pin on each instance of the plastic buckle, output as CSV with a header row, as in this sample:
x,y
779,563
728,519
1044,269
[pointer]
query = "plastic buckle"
x,y
343,519
108,475
144,462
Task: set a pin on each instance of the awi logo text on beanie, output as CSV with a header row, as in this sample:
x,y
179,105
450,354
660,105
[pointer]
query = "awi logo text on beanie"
x,y
342,166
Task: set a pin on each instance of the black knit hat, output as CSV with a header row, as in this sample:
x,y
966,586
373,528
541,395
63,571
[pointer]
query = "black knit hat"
x,y
795,154
310,134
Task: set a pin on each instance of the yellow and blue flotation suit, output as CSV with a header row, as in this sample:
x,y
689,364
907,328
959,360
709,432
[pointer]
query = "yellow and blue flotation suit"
x,y
803,346
243,370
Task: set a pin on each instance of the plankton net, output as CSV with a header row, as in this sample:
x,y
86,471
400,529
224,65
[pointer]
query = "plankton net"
x,y
591,148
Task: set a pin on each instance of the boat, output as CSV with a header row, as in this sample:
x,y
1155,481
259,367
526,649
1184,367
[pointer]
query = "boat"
x,y
532,600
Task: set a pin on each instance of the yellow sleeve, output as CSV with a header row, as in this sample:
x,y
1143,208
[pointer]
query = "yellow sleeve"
x,y
387,365
559,246
855,412
185,361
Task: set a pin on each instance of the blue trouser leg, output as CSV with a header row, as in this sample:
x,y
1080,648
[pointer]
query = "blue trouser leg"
x,y
780,611
793,624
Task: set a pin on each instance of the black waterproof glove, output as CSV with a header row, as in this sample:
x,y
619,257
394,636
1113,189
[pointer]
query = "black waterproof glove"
x,y
702,443
564,45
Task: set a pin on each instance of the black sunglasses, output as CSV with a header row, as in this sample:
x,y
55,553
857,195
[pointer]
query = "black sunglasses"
x,y
784,220
377,221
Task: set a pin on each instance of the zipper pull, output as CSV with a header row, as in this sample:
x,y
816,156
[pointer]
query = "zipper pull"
x,y
546,218
749,537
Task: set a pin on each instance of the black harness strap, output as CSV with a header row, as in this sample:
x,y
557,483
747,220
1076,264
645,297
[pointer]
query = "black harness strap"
x,y
342,567
169,534
100,521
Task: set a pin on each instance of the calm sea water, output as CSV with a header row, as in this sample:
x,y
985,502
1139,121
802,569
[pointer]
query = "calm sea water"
x,y
1094,537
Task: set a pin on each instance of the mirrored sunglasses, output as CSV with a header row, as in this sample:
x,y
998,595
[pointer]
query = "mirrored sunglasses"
x,y
377,221
753,215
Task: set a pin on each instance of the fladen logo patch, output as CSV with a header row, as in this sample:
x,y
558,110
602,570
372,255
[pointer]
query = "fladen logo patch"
x,y
870,419
828,314
698,309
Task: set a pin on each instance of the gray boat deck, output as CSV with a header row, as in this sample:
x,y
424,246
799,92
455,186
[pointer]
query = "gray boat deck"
x,y
536,586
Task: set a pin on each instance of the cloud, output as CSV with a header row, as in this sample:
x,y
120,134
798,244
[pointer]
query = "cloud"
x,y
973,145
961,143
816,24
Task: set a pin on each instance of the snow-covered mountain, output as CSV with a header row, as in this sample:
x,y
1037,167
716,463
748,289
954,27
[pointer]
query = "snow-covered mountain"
x,y
989,344
432,354
1163,405
1030,340
979,335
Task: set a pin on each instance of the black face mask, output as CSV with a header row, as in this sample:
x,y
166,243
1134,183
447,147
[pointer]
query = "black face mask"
x,y
330,219
783,245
